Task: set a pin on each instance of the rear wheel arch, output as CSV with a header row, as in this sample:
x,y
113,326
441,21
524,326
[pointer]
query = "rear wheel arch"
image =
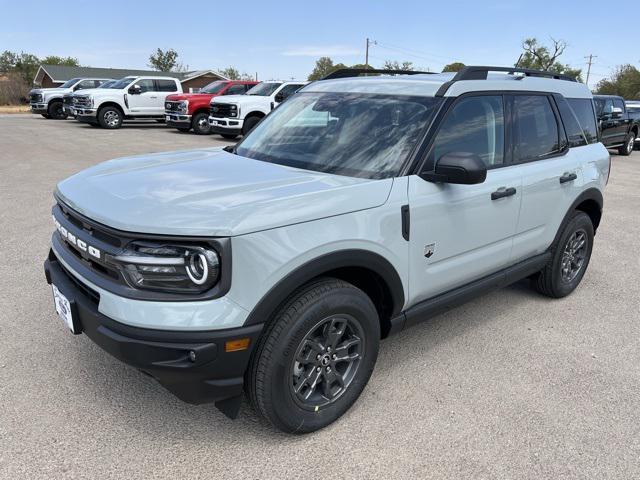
x,y
590,202
368,271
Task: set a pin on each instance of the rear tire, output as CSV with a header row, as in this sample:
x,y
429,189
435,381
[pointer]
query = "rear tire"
x,y
56,111
200,123
249,124
629,143
110,117
571,253
315,357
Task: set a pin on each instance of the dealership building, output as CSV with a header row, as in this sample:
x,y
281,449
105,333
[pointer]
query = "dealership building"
x,y
55,75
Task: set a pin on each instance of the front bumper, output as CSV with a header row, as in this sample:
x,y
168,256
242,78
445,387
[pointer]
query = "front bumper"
x,y
69,110
177,120
85,112
226,125
212,375
38,108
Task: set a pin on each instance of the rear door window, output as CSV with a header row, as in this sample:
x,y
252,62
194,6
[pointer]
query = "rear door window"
x,y
584,111
235,90
166,86
536,133
575,135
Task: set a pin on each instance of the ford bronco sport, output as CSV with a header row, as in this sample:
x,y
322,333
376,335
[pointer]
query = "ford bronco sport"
x,y
357,208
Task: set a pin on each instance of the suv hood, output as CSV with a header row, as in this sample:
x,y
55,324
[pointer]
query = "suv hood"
x,y
210,192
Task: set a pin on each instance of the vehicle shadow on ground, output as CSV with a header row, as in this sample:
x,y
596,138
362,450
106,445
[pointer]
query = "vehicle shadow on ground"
x,y
144,398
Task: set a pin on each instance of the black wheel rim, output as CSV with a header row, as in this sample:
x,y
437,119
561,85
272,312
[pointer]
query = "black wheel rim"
x,y
326,361
574,255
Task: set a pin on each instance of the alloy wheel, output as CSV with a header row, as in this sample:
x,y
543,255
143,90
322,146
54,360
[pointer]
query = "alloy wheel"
x,y
326,361
111,118
574,255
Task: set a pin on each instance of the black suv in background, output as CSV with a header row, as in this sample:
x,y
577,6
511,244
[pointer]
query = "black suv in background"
x,y
618,128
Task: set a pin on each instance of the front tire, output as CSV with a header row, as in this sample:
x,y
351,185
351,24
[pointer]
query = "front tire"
x,y
200,123
56,111
570,259
249,124
315,357
629,143
110,117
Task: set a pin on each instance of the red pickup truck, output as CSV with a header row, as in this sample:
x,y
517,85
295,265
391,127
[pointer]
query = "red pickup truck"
x,y
185,111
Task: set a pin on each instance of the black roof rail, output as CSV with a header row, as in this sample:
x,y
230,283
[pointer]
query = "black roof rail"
x,y
355,72
481,72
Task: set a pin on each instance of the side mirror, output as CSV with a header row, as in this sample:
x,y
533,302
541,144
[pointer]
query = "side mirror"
x,y
458,167
279,97
616,112
134,90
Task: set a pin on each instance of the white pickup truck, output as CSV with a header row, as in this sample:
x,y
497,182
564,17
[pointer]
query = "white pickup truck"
x,y
128,98
234,115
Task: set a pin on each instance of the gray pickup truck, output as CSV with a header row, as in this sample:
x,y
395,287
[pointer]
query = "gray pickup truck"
x,y
48,102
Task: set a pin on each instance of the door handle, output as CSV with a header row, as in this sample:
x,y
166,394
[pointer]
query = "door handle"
x,y
153,96
503,192
568,177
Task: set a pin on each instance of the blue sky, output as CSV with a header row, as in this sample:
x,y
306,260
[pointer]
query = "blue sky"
x,y
282,38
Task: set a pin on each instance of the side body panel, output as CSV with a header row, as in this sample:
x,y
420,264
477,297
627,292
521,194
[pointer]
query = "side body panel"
x,y
468,234
545,200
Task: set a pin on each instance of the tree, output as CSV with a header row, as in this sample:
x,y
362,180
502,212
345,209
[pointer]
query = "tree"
x,y
395,65
625,81
233,73
540,57
56,60
324,66
453,67
164,61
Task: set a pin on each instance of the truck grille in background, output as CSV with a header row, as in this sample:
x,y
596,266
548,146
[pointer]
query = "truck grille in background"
x,y
35,97
67,99
81,101
220,110
172,106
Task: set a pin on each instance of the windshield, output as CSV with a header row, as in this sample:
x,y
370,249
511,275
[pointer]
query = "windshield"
x,y
353,134
120,84
70,83
264,89
213,87
107,84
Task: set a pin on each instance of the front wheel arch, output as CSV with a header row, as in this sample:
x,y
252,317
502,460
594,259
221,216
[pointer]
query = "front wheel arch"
x,y
364,269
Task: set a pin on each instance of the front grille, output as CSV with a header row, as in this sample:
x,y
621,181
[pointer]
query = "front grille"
x,y
81,101
93,296
35,97
220,110
172,106
94,235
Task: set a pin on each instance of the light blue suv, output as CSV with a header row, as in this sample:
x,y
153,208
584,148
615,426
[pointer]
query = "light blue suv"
x,y
358,207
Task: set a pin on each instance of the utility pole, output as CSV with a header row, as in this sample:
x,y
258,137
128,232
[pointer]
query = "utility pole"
x,y
590,57
366,52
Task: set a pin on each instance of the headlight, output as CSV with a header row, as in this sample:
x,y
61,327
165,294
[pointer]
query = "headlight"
x,y
184,106
169,268
234,111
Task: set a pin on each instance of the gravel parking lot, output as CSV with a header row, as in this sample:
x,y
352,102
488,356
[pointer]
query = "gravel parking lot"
x,y
511,385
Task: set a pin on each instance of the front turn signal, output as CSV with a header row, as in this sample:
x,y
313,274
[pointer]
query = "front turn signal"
x,y
236,345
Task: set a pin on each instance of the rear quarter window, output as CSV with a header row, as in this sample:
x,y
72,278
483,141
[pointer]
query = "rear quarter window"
x,y
585,113
575,134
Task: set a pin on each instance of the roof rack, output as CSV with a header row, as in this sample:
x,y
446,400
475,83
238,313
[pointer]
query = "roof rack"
x,y
481,72
354,72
